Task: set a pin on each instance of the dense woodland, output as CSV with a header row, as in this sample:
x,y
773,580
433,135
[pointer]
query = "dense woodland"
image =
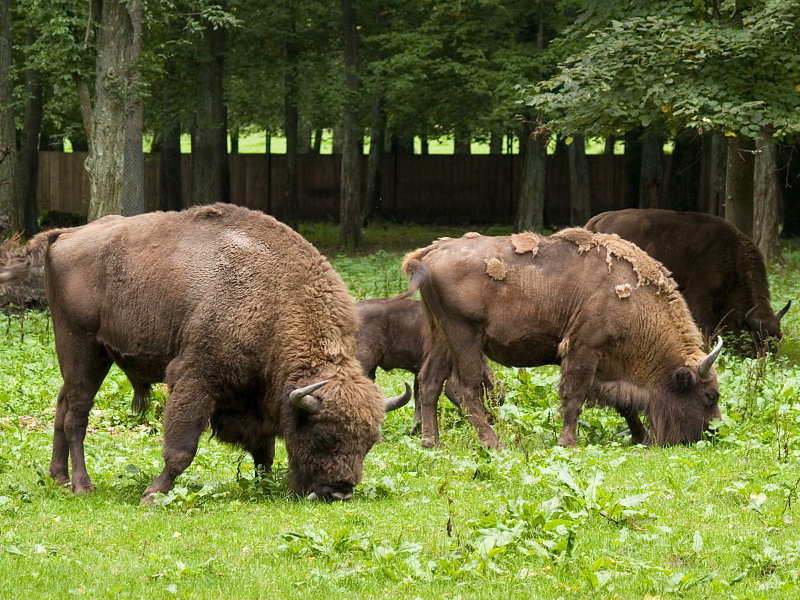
x,y
717,78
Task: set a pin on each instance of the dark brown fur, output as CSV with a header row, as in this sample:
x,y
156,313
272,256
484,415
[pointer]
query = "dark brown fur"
x,y
719,270
390,336
231,309
595,304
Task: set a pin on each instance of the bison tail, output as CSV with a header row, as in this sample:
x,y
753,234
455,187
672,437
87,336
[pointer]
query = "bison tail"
x,y
418,275
30,255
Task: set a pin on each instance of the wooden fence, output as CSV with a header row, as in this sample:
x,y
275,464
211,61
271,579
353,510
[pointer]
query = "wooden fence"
x,y
443,189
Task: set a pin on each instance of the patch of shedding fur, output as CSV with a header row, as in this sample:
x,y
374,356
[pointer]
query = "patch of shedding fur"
x,y
563,347
649,272
623,290
471,234
525,242
495,269
208,211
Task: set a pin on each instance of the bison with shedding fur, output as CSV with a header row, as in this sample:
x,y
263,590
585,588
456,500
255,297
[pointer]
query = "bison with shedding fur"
x,y
595,304
719,270
249,326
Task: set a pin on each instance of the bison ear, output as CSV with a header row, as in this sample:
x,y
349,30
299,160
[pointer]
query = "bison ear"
x,y
682,380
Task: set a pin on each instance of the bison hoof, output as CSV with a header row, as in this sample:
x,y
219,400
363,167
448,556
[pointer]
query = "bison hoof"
x,y
428,442
147,500
80,489
566,442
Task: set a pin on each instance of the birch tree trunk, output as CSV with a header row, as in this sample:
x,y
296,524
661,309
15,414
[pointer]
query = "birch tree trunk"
x,y
766,226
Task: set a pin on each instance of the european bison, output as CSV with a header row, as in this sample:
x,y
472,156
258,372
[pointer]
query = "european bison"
x,y
719,270
595,304
390,336
249,326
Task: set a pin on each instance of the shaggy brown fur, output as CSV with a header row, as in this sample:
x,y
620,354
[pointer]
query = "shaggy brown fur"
x,y
231,309
719,270
595,304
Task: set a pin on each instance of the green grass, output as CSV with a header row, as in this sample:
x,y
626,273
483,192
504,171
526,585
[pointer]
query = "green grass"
x,y
717,519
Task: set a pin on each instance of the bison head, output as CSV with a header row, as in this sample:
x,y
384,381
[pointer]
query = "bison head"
x,y
693,400
764,328
330,427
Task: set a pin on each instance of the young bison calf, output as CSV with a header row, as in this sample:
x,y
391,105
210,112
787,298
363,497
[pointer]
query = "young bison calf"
x,y
390,336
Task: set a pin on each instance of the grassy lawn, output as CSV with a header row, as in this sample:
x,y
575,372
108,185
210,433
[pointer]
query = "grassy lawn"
x,y
717,519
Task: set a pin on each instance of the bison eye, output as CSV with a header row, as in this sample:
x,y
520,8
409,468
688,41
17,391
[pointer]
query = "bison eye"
x,y
711,397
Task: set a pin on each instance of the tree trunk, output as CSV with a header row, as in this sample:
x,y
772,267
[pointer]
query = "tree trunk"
x,y
580,201
495,143
171,192
210,171
9,205
739,184
290,127
133,177
372,203
350,206
317,146
633,168
530,211
29,148
766,226
105,122
789,162
652,177
461,142
610,141
712,176
682,188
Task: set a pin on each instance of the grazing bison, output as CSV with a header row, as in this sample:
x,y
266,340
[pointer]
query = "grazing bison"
x,y
390,336
249,326
595,304
719,270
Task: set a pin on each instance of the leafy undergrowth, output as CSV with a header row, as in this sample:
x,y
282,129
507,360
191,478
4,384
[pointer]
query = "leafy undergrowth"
x,y
716,519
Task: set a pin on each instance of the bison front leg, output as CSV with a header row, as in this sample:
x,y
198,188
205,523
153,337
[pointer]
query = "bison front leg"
x,y
186,416
264,455
577,375
639,434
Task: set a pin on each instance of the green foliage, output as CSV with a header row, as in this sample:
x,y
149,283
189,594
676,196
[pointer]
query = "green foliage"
x,y
669,65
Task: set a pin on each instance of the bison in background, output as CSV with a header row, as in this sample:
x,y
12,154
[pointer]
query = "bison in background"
x,y
595,304
719,270
249,326
390,336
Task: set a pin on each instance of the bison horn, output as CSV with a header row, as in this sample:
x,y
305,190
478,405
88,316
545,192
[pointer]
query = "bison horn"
x,y
302,398
398,401
705,367
784,310
752,322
